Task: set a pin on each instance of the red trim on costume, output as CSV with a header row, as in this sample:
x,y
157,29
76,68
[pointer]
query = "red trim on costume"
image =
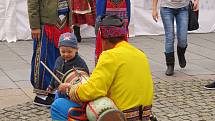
x,y
98,45
53,33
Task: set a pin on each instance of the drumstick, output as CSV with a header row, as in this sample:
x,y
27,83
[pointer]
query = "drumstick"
x,y
59,72
56,78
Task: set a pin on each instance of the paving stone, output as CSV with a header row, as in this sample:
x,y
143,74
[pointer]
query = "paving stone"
x,y
12,117
13,100
21,51
19,74
6,83
2,111
10,65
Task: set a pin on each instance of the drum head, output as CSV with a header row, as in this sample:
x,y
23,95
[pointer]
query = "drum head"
x,y
102,108
74,76
69,72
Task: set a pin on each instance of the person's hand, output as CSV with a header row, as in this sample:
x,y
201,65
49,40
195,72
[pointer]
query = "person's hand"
x,y
155,15
35,33
196,5
64,88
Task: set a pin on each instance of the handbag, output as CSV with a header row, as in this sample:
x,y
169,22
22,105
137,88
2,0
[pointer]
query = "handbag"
x,y
193,23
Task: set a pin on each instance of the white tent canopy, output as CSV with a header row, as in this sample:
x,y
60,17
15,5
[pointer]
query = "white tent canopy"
x,y
15,25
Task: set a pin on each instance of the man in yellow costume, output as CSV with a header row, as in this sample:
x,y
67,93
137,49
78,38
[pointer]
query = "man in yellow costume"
x,y
121,74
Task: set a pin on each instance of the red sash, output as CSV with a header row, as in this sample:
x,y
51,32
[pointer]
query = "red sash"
x,y
53,33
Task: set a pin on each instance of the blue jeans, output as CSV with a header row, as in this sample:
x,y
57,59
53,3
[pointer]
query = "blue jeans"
x,y
168,15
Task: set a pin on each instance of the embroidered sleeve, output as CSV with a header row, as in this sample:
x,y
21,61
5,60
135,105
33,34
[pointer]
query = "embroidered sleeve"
x,y
73,93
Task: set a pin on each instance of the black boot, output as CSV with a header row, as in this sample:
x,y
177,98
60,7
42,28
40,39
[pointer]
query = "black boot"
x,y
77,32
170,62
181,57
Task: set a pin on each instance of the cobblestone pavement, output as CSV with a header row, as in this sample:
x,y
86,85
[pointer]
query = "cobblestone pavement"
x,y
174,100
177,98
25,112
184,100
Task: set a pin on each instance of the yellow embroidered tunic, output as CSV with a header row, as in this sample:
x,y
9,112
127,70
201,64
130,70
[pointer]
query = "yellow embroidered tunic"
x,y
123,75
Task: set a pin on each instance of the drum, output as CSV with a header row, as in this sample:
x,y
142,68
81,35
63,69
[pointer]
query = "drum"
x,y
74,76
103,109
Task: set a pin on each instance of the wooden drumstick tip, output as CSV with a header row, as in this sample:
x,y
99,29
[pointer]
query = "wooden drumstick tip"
x,y
55,77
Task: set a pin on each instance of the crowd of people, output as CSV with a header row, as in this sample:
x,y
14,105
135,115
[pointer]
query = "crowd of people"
x,y
120,67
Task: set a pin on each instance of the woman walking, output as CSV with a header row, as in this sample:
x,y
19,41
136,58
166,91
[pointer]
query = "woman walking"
x,y
171,10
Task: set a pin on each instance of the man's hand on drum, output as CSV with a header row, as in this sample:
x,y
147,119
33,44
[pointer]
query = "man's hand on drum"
x,y
64,88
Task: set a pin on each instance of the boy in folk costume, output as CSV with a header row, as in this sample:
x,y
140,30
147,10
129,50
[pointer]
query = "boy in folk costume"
x,y
83,12
120,8
68,59
48,20
116,76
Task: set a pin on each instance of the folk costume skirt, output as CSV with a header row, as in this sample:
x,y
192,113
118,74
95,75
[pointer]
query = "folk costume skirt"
x,y
83,12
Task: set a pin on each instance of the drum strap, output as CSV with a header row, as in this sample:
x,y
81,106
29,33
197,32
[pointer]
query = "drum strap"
x,y
138,113
78,113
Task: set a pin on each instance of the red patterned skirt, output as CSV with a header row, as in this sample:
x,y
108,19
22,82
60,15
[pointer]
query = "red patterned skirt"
x,y
83,12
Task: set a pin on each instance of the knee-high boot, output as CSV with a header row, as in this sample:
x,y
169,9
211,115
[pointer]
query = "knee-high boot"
x,y
170,62
181,57
77,32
